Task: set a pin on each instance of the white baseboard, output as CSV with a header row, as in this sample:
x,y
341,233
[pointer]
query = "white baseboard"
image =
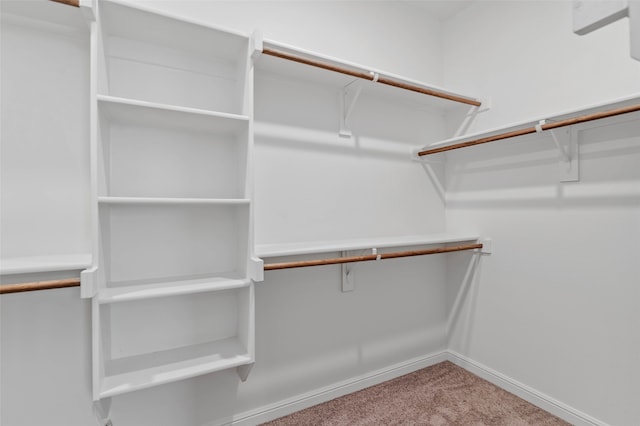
x,y
551,405
318,396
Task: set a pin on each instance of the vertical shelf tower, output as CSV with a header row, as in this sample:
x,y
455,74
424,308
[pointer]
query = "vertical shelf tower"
x,y
172,280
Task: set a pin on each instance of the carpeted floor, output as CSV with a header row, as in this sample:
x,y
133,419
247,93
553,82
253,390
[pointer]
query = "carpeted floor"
x,y
443,394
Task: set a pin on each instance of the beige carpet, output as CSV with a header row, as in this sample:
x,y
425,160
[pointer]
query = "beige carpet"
x,y
443,394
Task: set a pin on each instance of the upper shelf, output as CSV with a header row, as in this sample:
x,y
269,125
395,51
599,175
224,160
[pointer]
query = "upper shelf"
x,y
292,249
135,22
295,63
626,105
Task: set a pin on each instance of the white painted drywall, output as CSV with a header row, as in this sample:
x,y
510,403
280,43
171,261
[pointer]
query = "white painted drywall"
x,y
309,334
555,306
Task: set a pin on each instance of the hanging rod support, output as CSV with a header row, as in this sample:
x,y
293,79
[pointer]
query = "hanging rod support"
x,y
370,257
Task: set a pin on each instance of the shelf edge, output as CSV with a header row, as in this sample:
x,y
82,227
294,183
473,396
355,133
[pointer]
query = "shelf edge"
x,y
293,249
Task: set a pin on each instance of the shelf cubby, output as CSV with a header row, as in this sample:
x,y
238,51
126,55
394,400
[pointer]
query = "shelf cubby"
x,y
152,150
171,145
147,244
155,341
153,57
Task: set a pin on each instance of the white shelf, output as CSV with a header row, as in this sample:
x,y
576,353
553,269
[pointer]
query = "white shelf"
x,y
28,264
292,249
298,71
138,22
152,114
563,115
154,56
127,291
144,371
173,201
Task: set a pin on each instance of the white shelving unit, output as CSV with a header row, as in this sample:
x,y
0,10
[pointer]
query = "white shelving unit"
x,y
172,279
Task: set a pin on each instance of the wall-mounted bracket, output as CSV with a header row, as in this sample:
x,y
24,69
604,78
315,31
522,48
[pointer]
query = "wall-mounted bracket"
x,y
101,409
566,141
256,269
348,97
257,44
243,371
472,113
428,159
348,276
89,282
487,246
87,9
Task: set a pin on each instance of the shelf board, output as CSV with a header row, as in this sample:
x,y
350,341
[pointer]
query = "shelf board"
x,y
292,249
590,109
297,71
142,113
126,292
144,371
146,24
28,264
174,201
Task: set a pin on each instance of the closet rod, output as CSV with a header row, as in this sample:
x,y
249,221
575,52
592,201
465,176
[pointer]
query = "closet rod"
x,y
75,3
370,77
365,258
548,126
39,285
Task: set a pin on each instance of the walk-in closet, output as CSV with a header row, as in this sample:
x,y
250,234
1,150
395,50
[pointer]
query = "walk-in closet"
x,y
319,212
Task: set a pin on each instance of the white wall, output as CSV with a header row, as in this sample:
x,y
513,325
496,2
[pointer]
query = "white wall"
x,y
555,306
309,334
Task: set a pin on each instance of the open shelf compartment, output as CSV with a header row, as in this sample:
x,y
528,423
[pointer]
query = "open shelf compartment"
x,y
151,150
155,57
152,250
155,341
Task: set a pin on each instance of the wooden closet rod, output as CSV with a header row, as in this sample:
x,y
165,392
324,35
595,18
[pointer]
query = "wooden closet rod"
x,y
368,76
368,257
39,285
75,3
528,130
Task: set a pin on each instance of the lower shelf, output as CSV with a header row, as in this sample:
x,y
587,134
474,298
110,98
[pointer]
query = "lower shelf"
x,y
143,371
130,291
